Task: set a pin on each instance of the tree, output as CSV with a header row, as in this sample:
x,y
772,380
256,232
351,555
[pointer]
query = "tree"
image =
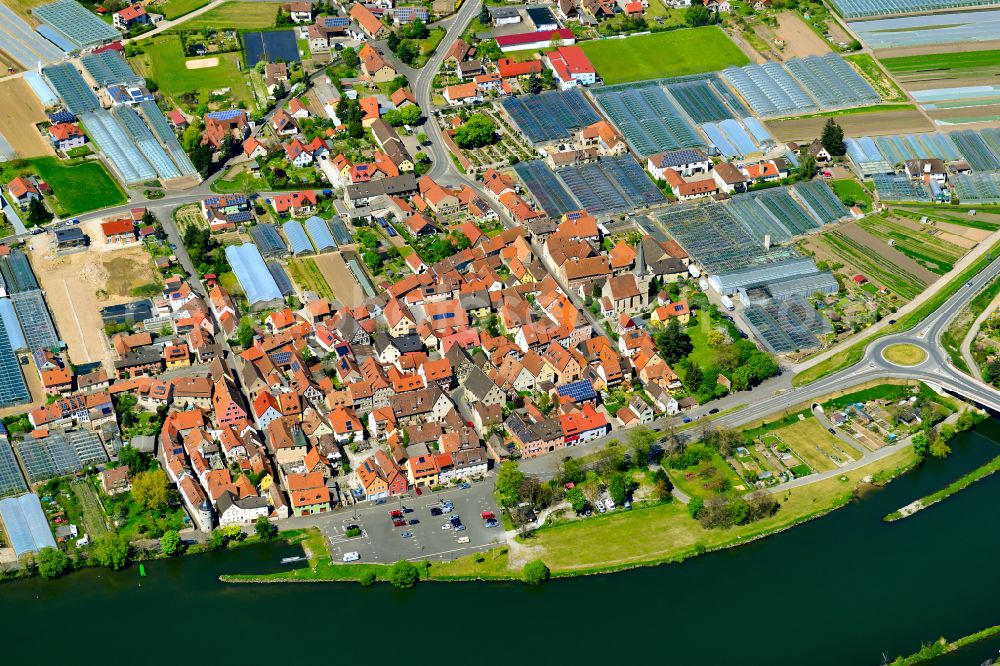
x,y
170,543
403,574
509,481
350,57
37,212
535,573
476,132
572,471
761,504
695,506
265,529
662,486
408,115
134,459
415,29
673,342
111,550
618,489
577,500
201,158
696,15
372,260
393,41
245,333
151,489
367,578
534,85
807,169
52,563
833,139
355,129
408,51
939,447
484,16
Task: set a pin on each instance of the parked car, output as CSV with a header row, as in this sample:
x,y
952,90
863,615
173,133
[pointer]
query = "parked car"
x,y
406,535
465,486
610,503
412,521
379,502
463,539
398,522
418,491
714,410
447,509
460,527
686,419
436,511
599,505
446,526
351,556
487,515
627,505
492,522
395,513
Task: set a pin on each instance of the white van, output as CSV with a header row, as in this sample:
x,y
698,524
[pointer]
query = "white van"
x,y
352,556
463,539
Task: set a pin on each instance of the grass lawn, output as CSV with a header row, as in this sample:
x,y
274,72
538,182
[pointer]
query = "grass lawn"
x,y
691,51
172,9
77,186
694,479
428,45
810,441
702,353
93,514
163,61
665,532
848,188
236,15
904,354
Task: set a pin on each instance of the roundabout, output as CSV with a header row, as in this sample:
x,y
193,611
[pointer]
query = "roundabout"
x,y
904,354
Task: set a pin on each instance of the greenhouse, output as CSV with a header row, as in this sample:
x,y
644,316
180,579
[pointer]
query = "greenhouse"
x,y
257,282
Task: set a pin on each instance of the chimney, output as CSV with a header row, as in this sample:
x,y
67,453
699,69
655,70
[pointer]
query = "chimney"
x,y
767,242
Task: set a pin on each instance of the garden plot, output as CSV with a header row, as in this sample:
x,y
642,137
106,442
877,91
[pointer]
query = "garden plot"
x,y
922,243
861,253
810,441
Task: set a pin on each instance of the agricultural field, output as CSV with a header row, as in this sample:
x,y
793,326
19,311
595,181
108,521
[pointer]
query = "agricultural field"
x,y
163,61
922,243
907,120
77,186
172,9
945,66
692,51
19,111
858,252
306,274
237,16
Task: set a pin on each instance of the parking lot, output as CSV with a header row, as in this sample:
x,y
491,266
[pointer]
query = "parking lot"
x,y
381,542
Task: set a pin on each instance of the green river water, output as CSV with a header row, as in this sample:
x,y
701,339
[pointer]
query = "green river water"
x,y
844,589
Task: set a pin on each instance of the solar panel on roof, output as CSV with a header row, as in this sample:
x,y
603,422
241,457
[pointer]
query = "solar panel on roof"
x,y
336,21
227,114
578,391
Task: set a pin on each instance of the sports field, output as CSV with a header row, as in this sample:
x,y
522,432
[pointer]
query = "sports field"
x,y
236,15
663,54
77,187
163,61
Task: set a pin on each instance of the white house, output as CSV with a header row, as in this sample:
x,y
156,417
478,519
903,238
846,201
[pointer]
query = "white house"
x,y
571,67
246,511
686,162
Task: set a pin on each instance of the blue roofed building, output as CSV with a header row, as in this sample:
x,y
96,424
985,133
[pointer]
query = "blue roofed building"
x,y
297,238
256,280
319,231
25,524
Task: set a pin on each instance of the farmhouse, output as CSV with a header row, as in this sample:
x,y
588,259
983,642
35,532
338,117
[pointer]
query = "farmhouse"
x,y
66,136
571,67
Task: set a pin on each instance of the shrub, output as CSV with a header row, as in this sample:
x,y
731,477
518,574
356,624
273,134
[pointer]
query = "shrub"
x,y
403,574
535,573
367,578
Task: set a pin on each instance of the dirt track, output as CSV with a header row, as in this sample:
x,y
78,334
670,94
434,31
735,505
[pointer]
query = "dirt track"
x,y
800,40
19,111
340,278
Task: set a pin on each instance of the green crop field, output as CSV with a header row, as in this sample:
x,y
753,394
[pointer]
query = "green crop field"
x,y
849,189
163,61
306,274
945,66
78,186
663,54
936,254
238,16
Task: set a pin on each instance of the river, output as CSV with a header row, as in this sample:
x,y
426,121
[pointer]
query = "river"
x,y
844,589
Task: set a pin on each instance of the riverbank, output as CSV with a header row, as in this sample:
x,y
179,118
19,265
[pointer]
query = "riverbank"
x,y
959,484
647,536
941,647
